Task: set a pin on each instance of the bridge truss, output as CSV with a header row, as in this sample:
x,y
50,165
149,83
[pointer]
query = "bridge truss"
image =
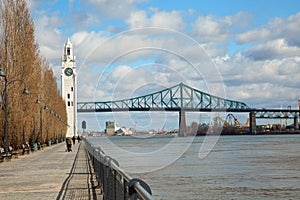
x,y
183,98
177,98
276,113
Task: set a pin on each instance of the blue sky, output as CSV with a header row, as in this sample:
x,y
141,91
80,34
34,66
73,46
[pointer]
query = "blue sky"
x,y
244,50
262,10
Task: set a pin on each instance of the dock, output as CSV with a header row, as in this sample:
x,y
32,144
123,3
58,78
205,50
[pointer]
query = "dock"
x,y
51,173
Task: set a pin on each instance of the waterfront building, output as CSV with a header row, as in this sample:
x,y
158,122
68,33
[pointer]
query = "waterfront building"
x,y
113,129
110,127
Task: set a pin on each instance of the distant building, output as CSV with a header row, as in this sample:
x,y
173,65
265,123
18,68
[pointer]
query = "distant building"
x,y
110,127
123,131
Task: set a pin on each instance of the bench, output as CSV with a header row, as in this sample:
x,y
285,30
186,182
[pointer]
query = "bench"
x,y
14,153
25,149
4,156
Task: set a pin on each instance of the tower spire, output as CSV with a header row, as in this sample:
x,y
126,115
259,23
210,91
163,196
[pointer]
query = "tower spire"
x,y
68,52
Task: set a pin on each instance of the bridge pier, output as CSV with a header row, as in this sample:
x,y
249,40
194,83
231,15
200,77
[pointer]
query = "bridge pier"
x,y
252,127
296,123
182,124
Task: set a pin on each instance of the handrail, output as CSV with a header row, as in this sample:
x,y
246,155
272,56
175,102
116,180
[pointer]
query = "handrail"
x,y
120,171
115,182
137,186
142,192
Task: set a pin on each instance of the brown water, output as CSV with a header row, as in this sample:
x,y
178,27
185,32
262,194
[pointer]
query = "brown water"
x,y
237,167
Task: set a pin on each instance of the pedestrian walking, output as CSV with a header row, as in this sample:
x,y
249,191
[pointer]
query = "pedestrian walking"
x,y
69,144
74,139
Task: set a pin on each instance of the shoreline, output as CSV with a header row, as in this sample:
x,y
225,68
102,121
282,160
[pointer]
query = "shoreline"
x,y
206,134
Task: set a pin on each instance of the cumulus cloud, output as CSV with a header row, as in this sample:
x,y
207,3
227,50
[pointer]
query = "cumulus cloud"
x,y
212,29
137,45
261,83
81,19
274,49
163,19
117,9
215,34
253,35
265,72
280,37
288,29
49,36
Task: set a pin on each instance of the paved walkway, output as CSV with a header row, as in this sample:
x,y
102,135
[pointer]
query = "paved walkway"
x,y
51,173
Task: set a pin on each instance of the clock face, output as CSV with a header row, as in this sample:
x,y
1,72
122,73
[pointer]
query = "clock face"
x,y
68,71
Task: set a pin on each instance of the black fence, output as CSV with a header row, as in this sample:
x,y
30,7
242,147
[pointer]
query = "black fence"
x,y
115,183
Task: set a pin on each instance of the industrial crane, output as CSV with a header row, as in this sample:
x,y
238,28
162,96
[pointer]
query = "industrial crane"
x,y
230,117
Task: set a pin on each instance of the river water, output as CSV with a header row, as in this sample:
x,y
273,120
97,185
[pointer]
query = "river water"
x,y
226,167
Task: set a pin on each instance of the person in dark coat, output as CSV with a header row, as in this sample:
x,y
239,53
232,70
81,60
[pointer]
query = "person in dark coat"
x,y
69,144
74,139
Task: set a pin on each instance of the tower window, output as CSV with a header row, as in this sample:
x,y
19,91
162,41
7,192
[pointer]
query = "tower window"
x,y
72,103
68,96
72,89
68,51
68,103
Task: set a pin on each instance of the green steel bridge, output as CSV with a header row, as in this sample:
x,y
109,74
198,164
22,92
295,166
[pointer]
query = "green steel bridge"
x,y
183,98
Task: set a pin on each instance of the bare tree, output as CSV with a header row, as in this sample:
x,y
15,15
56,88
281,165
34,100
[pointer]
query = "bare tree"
x,y
22,62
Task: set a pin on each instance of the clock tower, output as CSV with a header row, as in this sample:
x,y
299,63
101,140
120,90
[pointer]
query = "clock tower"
x,y
69,87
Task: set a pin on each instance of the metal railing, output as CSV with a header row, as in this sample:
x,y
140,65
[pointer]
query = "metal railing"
x,y
115,183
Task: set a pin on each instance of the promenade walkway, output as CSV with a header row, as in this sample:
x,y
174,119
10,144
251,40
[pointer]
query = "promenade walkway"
x,y
51,173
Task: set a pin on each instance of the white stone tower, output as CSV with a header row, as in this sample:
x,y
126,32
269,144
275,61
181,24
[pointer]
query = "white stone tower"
x,y
69,87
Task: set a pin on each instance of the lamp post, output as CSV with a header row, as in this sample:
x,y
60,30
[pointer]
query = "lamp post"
x,y
35,136
34,117
38,101
6,83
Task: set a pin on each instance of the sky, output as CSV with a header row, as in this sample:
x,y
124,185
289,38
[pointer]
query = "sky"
x,y
241,50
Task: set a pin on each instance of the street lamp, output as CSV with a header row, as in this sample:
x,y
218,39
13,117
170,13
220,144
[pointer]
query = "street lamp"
x,y
38,101
34,124
45,107
6,83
